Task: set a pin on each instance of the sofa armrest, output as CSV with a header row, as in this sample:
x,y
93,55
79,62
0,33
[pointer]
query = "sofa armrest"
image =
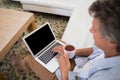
x,y
77,30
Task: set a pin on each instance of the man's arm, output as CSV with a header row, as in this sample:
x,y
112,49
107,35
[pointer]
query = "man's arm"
x,y
81,52
84,52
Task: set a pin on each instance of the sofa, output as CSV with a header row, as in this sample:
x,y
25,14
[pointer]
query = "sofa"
x,y
77,29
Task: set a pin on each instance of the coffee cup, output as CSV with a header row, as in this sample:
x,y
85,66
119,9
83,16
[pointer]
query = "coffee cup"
x,y
70,49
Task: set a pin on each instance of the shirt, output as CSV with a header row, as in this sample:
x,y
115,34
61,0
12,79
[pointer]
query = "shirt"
x,y
95,67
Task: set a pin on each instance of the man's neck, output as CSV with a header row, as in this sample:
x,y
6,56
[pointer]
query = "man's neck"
x,y
111,53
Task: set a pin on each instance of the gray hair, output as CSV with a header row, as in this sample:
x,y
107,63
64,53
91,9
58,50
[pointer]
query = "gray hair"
x,y
108,14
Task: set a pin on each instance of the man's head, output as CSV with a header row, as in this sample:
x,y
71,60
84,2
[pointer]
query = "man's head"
x,y
107,12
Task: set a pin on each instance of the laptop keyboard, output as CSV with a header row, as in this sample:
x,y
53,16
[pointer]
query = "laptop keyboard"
x,y
48,55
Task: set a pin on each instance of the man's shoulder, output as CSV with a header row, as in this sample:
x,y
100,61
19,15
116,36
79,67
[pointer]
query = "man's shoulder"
x,y
107,74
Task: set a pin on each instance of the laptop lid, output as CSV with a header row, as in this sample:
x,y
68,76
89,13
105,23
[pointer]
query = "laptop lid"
x,y
38,40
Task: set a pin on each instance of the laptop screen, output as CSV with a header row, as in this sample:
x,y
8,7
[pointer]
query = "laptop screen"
x,y
40,39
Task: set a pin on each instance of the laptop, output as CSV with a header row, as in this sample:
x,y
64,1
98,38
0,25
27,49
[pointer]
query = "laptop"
x,y
40,43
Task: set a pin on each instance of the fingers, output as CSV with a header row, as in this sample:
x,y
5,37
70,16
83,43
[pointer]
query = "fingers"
x,y
58,49
66,56
64,62
63,56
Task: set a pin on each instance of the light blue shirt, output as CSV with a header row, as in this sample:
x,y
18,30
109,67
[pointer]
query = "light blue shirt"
x,y
106,69
95,67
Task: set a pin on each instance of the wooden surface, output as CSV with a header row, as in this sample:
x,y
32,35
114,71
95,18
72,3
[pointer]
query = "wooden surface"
x,y
12,25
40,71
37,68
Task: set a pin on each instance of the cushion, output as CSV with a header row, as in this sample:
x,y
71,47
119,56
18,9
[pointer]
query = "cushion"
x,y
64,4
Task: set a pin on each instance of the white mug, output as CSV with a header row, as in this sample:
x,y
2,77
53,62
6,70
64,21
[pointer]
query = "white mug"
x,y
70,49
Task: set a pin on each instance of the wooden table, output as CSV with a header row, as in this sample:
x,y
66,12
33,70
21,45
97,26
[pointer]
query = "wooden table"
x,y
12,25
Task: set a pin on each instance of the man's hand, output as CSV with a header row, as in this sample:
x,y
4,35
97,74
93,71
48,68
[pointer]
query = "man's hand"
x,y
64,65
63,60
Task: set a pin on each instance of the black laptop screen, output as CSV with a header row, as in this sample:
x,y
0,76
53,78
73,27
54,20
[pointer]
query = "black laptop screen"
x,y
40,39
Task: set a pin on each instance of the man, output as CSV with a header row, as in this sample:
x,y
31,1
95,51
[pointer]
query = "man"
x,y
102,62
